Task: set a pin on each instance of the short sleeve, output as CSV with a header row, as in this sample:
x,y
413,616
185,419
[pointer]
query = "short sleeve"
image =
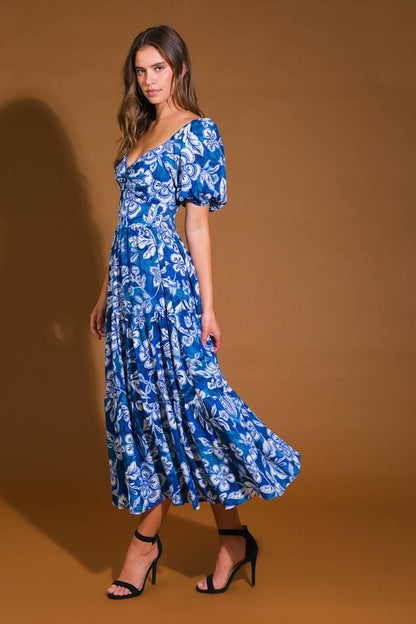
x,y
202,176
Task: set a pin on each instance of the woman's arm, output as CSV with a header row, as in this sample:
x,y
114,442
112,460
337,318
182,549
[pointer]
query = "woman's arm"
x,y
199,244
103,291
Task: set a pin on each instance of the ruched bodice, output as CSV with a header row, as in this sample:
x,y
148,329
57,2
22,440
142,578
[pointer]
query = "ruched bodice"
x,y
190,165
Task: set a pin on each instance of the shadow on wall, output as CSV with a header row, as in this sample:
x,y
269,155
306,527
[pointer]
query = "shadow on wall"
x,y
54,462
54,455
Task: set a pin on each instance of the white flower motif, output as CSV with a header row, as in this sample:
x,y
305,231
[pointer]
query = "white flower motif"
x,y
221,476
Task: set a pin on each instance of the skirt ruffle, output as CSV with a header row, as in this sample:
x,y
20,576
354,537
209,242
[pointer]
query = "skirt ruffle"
x,y
175,428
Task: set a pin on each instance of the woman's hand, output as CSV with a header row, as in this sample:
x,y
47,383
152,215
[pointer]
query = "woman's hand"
x,y
97,317
211,328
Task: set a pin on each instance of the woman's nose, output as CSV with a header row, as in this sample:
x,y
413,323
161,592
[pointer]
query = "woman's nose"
x,y
149,80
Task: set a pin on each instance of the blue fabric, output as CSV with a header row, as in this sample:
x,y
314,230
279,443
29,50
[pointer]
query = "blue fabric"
x,y
175,428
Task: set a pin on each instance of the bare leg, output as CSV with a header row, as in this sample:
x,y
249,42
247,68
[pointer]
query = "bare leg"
x,y
140,554
232,548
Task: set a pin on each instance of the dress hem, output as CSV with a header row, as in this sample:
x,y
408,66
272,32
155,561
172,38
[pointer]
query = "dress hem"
x,y
205,500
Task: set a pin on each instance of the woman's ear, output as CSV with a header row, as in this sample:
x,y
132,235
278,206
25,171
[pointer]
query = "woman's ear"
x,y
184,69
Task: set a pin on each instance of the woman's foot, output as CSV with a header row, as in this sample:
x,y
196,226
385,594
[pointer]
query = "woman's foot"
x,y
232,549
138,558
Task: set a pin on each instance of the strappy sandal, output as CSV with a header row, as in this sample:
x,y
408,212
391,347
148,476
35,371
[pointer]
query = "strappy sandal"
x,y
135,591
250,556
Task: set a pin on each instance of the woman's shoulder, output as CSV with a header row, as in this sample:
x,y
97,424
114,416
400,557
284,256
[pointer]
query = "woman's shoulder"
x,y
201,140
203,122
202,127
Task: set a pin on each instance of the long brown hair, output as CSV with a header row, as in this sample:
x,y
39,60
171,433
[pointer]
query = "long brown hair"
x,y
136,112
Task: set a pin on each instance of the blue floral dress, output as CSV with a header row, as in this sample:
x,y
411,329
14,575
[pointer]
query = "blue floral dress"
x,y
175,428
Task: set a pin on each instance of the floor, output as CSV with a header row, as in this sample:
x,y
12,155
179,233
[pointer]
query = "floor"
x,y
317,563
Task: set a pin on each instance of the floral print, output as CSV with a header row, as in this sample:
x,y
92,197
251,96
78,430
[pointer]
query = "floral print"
x,y
175,428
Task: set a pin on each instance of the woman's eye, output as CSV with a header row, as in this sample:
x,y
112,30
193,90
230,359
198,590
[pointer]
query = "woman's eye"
x,y
140,71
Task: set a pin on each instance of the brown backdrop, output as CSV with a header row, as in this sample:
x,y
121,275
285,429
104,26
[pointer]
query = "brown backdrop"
x,y
314,289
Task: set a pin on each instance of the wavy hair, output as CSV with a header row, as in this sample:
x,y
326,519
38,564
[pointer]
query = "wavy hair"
x,y
136,112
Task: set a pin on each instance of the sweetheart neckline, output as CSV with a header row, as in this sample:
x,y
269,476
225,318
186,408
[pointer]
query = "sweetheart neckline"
x,y
125,157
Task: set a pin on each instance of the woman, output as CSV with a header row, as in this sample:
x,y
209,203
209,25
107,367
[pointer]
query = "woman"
x,y
177,432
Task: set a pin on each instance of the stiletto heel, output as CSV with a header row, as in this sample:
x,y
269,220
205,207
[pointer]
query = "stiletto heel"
x,y
250,556
253,571
135,591
154,573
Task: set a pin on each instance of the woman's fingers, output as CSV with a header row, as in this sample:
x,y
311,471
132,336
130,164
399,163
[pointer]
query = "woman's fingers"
x,y
204,336
101,323
215,337
93,324
217,341
97,324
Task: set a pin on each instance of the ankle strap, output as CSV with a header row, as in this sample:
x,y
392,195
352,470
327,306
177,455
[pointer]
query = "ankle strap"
x,y
242,531
145,538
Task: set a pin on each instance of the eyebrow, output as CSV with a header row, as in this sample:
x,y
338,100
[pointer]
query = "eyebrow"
x,y
154,65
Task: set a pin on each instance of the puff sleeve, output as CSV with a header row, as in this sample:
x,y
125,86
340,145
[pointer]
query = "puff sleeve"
x,y
202,176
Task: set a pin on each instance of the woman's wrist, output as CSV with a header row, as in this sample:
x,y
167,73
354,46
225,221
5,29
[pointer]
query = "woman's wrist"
x,y
208,310
103,292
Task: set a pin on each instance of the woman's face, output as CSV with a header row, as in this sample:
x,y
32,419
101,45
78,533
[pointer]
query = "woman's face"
x,y
154,74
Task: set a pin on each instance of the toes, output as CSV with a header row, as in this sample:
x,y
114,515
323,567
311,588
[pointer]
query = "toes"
x,y
202,584
117,590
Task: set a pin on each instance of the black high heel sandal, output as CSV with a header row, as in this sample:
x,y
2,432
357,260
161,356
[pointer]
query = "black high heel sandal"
x,y
250,556
135,591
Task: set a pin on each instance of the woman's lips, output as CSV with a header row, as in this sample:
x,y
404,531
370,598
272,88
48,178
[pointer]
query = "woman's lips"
x,y
153,92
